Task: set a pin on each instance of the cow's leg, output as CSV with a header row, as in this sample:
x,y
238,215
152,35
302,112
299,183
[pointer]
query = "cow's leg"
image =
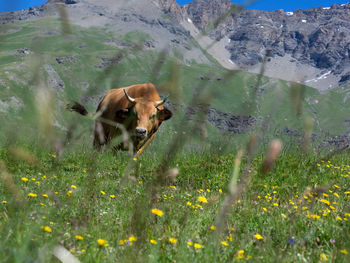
x,y
144,146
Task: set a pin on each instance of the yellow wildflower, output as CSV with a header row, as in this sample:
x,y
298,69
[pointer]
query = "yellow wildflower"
x,y
47,229
315,217
152,241
189,203
79,237
112,196
32,195
172,240
325,201
258,236
122,242
24,179
240,254
101,242
196,245
344,251
53,155
132,238
4,202
224,243
212,227
190,243
157,212
102,192
202,199
275,204
323,257
45,195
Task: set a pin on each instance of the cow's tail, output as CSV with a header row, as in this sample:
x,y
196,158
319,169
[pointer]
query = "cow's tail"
x,y
77,107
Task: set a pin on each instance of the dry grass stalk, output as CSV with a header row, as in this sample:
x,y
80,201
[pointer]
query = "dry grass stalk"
x,y
12,188
297,92
309,124
234,190
24,155
66,28
274,151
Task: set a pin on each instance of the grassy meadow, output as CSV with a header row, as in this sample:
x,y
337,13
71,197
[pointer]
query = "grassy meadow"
x,y
298,212
196,194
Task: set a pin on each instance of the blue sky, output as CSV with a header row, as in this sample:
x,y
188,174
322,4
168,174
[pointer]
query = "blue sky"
x,y
287,5
12,5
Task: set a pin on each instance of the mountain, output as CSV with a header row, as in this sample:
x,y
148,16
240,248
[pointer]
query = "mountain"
x,y
310,46
125,16
79,49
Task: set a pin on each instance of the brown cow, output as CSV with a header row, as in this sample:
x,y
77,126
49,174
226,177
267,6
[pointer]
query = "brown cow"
x,y
138,108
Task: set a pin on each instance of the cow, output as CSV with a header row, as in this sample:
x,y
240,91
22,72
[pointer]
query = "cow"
x,y
137,109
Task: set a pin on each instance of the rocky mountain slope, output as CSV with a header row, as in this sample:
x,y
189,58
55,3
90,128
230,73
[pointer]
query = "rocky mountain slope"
x,y
120,17
311,46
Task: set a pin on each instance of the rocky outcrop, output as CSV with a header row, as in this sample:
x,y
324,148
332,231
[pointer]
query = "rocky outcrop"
x,y
230,123
170,7
319,36
204,12
317,39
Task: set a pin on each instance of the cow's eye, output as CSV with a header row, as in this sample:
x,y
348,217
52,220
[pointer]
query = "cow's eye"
x,y
153,116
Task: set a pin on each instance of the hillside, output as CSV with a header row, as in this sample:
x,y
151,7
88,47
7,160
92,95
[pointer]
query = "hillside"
x,y
115,47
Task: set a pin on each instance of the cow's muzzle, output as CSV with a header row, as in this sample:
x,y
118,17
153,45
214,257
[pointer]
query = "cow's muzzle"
x,y
141,133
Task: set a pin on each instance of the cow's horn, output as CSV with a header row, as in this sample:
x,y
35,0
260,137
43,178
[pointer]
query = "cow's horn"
x,y
161,102
129,98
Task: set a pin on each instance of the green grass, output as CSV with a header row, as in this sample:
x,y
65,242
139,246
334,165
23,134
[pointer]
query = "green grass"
x,y
294,224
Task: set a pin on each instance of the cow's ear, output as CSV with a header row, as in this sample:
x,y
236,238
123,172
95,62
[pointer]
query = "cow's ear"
x,y
166,114
122,114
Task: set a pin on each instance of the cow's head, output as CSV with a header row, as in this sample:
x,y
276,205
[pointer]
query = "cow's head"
x,y
143,117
